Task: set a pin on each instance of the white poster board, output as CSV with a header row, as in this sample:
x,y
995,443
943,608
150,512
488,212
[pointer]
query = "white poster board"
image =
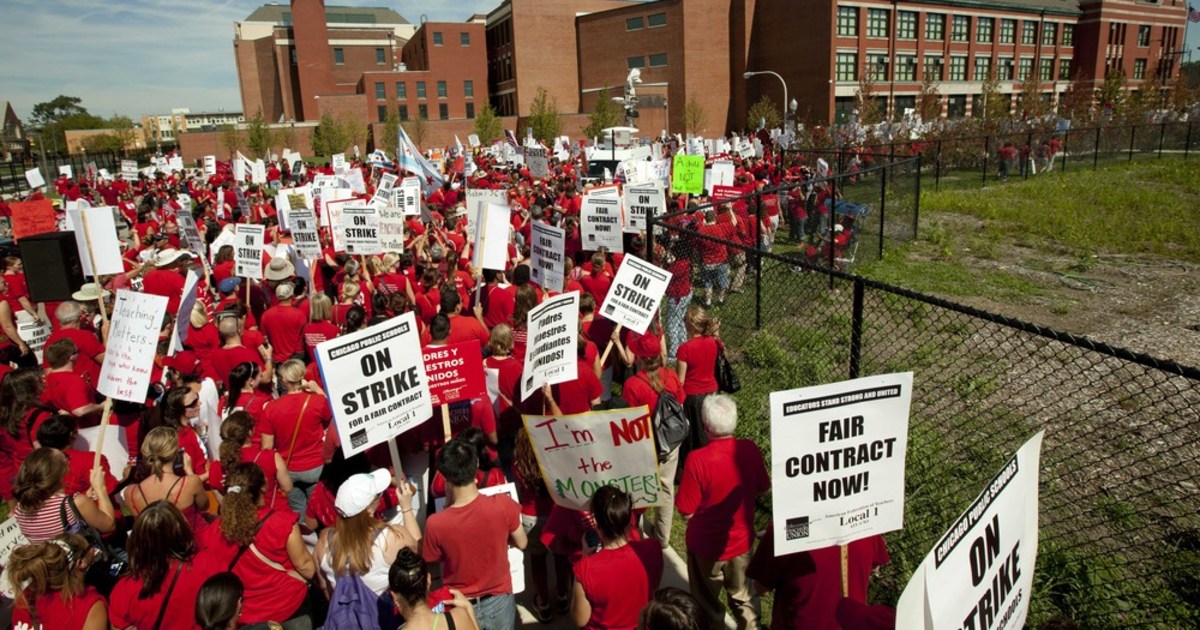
x,y
391,228
175,163
601,223
375,381
338,160
538,161
635,295
129,169
34,335
106,245
360,229
547,249
408,196
550,357
722,173
983,566
210,165
65,169
34,177
581,453
643,201
132,342
248,248
383,193
479,197
191,234
837,461
473,140
305,236
491,242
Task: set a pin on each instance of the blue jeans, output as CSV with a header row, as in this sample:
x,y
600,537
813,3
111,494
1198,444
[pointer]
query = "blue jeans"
x,y
303,482
498,612
676,331
715,276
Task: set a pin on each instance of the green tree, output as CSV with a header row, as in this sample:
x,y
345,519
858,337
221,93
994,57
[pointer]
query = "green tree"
x,y
1076,103
544,117
869,110
764,110
52,118
1111,95
390,142
356,132
126,134
606,115
996,105
259,137
1030,98
1146,100
695,119
1182,96
488,126
929,101
101,143
417,129
329,137
232,140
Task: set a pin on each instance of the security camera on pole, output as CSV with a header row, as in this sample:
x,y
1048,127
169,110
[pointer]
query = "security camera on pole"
x,y
634,78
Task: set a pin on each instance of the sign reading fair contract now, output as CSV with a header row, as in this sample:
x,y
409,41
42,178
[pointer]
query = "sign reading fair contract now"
x,y
376,382
635,295
837,461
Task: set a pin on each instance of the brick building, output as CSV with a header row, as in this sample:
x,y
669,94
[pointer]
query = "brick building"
x,y
443,75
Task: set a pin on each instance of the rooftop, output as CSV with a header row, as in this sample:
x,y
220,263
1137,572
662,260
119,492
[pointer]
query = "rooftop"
x,y
1068,7
281,14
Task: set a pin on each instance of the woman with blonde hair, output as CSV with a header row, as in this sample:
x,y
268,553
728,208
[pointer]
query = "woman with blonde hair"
x,y
237,445
320,327
362,545
390,281
171,478
47,577
296,422
348,297
695,362
203,336
44,511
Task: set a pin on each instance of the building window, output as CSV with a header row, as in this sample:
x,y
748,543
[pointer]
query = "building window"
x,y
906,68
877,66
656,20
983,30
380,57
1025,69
469,89
1049,33
1064,69
1068,36
906,25
380,91
635,62
423,111
339,56
1008,31
983,68
935,26
1004,71
404,112
401,90
1046,69
847,67
444,111
847,24
464,39
1139,69
634,24
956,106
1144,36
877,23
958,68
381,111
437,38
933,68
658,60
420,89
470,110
1029,34
441,87
961,29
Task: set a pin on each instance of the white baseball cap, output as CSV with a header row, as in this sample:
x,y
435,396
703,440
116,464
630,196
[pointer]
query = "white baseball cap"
x,y
359,491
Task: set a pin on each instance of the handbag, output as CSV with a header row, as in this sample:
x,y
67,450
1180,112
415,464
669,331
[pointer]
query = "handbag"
x,y
727,379
108,564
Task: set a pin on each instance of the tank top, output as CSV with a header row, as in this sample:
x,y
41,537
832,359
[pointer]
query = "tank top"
x,y
375,579
46,522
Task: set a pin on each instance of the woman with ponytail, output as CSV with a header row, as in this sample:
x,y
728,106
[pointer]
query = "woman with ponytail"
x,y
171,478
237,446
696,362
48,579
244,394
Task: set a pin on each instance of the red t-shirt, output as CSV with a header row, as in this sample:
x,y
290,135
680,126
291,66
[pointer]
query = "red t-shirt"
x,y
280,419
576,396
316,333
464,328
282,325
681,278
89,348
55,612
203,340
67,391
79,471
808,584
265,460
508,378
713,252
700,354
638,391
471,542
222,271
500,305
720,484
597,285
127,610
270,594
253,403
618,583
166,283
223,360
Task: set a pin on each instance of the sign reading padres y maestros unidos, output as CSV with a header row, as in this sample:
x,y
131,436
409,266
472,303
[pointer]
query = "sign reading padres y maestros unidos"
x,y
553,329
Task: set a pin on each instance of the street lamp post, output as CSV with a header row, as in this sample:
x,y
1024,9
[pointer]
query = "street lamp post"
x,y
748,74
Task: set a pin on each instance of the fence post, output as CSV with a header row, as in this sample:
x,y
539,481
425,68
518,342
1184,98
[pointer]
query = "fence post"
x,y
833,182
1187,144
1026,159
1096,153
937,171
917,201
758,240
1132,135
987,153
1162,136
856,326
883,206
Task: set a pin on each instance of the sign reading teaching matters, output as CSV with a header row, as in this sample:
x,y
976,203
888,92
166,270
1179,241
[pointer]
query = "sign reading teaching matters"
x,y
837,461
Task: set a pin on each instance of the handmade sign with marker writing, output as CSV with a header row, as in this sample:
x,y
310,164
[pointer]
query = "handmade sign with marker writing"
x,y
132,341
688,174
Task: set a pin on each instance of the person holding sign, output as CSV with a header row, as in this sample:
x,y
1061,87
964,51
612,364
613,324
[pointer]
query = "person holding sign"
x,y
720,485
296,423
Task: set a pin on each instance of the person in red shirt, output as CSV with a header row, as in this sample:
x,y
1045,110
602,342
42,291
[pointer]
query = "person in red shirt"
x,y
613,584
283,325
599,280
498,301
320,327
462,328
583,393
67,391
296,424
59,432
232,352
165,279
714,255
716,497
91,351
696,363
470,537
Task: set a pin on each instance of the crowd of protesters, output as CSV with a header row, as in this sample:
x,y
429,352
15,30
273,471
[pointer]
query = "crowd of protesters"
x,y
237,508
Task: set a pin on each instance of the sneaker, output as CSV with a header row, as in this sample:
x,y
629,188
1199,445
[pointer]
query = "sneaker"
x,y
563,603
542,612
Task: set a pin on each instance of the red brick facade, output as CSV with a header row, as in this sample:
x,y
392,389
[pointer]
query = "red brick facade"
x,y
445,76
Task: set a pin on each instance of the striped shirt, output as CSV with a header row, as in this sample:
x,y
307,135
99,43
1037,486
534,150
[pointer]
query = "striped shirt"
x,y
46,523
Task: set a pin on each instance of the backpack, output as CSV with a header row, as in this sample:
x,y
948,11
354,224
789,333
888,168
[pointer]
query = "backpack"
x,y
352,606
671,426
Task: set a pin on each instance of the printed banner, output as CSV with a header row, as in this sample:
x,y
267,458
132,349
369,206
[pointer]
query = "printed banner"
x,y
305,235
641,202
408,196
455,372
491,242
688,174
546,255
34,334
248,250
129,169
539,162
191,234
550,357
210,165
980,574
601,226
132,341
582,453
338,160
383,194
635,294
360,228
837,461
375,381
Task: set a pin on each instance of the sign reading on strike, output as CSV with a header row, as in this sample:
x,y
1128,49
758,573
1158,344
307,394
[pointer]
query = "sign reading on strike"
x,y
546,251
635,294
305,237
132,341
376,383
455,372
408,196
580,454
837,461
602,223
360,229
248,249
552,331
641,202
979,575
383,193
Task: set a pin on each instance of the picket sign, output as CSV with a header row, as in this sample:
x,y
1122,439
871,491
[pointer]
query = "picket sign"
x,y
636,294
546,255
248,251
552,329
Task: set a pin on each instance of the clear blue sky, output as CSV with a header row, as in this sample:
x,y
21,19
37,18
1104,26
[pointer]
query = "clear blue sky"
x,y
137,57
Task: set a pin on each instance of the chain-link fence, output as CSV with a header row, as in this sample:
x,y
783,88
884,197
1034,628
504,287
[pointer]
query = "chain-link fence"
x,y
1120,529
12,173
